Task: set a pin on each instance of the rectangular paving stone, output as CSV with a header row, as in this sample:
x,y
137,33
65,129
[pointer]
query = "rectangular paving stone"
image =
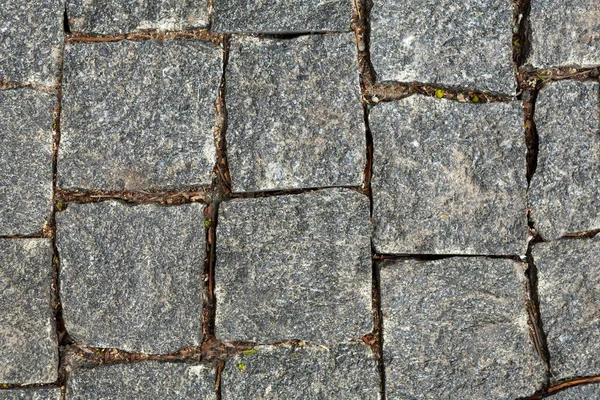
x,y
26,121
117,17
584,392
295,117
448,177
564,194
569,293
143,380
281,16
347,371
294,267
31,39
457,328
564,33
28,343
138,115
130,276
31,394
448,43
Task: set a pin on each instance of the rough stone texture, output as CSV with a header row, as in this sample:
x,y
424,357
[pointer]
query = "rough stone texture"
x,y
295,117
143,380
26,160
282,16
564,33
448,177
457,329
31,36
114,16
294,267
346,371
28,345
453,43
131,275
569,292
564,194
31,394
585,392
138,115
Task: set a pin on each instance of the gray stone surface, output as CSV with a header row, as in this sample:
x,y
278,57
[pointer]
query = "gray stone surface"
x,y
143,380
585,392
457,329
282,16
452,43
28,344
114,16
448,177
31,394
31,37
346,371
569,292
564,33
25,160
294,267
564,194
295,117
130,276
138,115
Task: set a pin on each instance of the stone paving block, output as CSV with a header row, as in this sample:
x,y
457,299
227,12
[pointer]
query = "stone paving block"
x,y
31,394
294,267
585,392
295,113
131,275
28,344
569,293
457,328
143,380
26,160
448,177
282,16
564,194
564,33
138,114
31,37
450,43
117,17
346,371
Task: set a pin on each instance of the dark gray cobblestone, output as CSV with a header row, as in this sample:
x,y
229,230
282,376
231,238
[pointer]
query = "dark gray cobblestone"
x,y
130,276
347,371
28,345
31,394
143,380
26,162
294,267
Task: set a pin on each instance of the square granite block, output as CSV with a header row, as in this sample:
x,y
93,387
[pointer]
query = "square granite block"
x,y
564,33
25,160
448,177
295,117
117,17
138,114
31,40
464,43
569,293
564,194
31,394
346,371
130,276
294,267
28,343
457,328
143,380
282,16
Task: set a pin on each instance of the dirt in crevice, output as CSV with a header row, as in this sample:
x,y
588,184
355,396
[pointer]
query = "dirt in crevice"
x,y
150,34
222,177
529,98
375,338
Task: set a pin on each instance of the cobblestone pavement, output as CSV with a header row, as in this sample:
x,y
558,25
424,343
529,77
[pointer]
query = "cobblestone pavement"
x,y
286,199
